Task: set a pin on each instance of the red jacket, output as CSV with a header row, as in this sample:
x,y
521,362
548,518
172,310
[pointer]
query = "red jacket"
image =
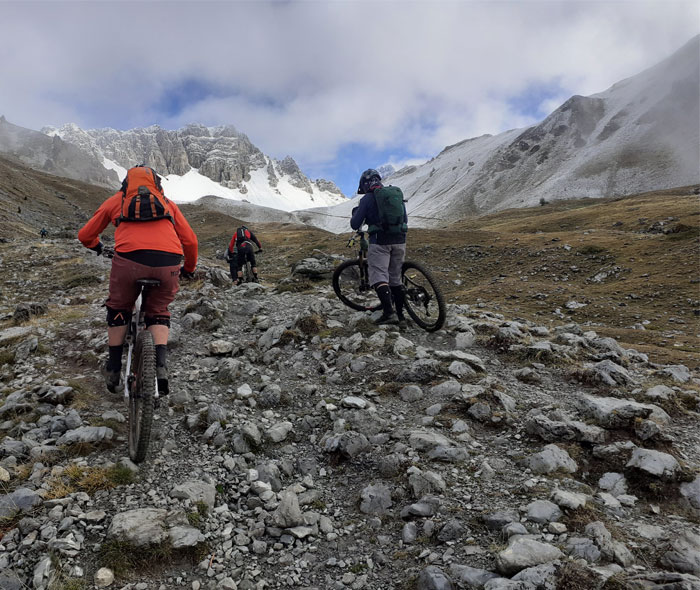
x,y
161,235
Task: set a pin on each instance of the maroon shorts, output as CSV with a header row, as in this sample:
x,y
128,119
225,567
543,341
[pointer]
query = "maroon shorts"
x,y
123,289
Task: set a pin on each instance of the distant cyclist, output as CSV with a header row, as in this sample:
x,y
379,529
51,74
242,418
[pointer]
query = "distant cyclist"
x,y
383,210
150,239
44,232
244,240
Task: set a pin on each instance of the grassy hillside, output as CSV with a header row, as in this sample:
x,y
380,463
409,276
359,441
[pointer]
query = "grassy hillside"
x,y
631,264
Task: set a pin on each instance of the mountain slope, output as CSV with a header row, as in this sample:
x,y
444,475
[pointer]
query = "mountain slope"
x,y
53,155
197,161
641,134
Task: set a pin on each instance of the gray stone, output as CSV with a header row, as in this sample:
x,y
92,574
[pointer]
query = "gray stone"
x,y
654,463
551,459
497,520
423,483
410,393
140,527
569,430
691,492
354,402
542,511
43,575
409,533
433,578
452,530
659,392
427,506
279,432
611,412
375,499
582,548
609,373
446,388
615,483
470,577
195,491
220,347
524,552
542,577
684,554
103,578
679,373
19,501
185,536
288,514
86,435
348,444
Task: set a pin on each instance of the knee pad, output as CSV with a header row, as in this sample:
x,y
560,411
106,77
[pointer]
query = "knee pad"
x,y
117,317
157,320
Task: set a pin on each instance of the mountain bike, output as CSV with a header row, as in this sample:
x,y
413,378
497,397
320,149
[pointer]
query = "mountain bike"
x,y
139,377
424,301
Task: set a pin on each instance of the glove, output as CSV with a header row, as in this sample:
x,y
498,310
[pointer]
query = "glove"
x,y
258,252
186,275
98,248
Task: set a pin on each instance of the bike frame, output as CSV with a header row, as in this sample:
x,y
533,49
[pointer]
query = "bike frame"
x,y
362,257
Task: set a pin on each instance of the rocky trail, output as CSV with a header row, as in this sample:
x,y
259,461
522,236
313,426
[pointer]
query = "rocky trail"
x,y
303,447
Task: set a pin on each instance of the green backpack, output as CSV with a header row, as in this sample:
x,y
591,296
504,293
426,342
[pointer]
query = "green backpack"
x,y
391,208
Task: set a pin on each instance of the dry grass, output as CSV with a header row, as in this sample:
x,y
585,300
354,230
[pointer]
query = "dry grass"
x,y
76,478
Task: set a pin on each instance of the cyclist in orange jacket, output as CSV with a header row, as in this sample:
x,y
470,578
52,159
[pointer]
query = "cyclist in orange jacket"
x,y
151,238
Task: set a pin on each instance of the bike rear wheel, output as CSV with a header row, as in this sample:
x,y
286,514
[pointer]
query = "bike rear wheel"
x,y
142,396
351,285
424,301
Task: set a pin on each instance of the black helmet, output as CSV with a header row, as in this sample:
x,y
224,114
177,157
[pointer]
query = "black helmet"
x,y
369,178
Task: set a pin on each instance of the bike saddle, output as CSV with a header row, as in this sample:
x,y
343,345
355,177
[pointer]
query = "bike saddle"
x,y
148,282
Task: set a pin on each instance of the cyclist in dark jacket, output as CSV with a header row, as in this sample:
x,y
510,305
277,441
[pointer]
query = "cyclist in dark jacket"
x,y
386,251
243,240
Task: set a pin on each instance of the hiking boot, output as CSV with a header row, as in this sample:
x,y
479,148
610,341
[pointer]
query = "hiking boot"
x,y
162,377
113,380
256,280
384,320
403,323
239,282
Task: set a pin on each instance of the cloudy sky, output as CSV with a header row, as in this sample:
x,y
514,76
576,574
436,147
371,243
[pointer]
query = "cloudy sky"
x,y
338,85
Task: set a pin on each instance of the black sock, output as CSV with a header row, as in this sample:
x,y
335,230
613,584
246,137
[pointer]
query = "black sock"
x,y
384,295
399,297
115,358
161,355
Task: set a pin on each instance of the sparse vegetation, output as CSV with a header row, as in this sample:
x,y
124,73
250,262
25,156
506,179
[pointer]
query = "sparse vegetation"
x,y
76,478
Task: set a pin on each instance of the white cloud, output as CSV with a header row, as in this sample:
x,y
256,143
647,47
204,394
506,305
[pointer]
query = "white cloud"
x,y
305,78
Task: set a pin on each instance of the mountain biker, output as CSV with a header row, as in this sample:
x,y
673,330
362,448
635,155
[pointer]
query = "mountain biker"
x,y
151,248
244,239
387,249
44,232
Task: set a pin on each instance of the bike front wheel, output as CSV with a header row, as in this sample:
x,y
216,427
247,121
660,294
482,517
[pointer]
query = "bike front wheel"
x,y
423,298
142,396
351,285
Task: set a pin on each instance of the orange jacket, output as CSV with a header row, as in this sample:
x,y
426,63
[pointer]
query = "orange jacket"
x,y
162,235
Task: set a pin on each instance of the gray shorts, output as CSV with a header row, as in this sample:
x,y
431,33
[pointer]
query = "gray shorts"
x,y
385,263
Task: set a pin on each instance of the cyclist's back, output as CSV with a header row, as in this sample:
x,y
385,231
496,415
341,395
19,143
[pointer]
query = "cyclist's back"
x,y
244,241
149,243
